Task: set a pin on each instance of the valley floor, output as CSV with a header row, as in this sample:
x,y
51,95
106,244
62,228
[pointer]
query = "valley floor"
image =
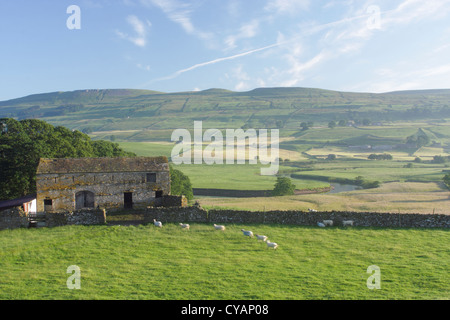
x,y
403,197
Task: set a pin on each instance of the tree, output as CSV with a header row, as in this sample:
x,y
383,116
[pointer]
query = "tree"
x,y
102,148
304,126
283,187
180,184
359,180
384,156
420,138
446,180
439,159
279,124
370,184
331,157
331,124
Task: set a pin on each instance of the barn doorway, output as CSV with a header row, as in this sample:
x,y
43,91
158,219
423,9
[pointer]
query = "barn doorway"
x,y
158,194
128,200
84,199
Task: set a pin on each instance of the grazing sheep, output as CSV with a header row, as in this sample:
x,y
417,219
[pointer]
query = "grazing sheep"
x,y
347,223
260,237
219,227
328,222
247,233
320,224
157,223
272,244
312,210
184,226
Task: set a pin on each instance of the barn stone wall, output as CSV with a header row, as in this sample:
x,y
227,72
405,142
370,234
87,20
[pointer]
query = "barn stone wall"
x,y
108,189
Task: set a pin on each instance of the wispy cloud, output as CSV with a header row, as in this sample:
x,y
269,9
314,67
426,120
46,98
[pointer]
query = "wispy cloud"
x,y
407,76
241,77
140,31
410,11
178,12
287,6
247,31
143,67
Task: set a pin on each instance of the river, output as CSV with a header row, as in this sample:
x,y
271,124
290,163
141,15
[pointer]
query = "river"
x,y
337,188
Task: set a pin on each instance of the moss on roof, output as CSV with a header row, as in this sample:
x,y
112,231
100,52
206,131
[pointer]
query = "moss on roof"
x,y
97,165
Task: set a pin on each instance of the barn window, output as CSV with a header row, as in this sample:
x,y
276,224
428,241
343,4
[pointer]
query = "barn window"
x,y
84,199
48,204
151,177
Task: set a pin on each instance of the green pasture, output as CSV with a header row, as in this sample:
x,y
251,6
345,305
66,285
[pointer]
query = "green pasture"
x,y
237,177
248,177
145,262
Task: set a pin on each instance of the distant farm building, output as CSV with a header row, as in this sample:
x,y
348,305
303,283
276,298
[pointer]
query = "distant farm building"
x,y
27,204
110,183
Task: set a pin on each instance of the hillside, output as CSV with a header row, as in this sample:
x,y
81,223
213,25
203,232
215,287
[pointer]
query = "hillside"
x,y
139,111
412,126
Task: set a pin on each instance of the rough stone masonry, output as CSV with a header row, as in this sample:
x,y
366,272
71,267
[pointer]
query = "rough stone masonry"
x,y
65,185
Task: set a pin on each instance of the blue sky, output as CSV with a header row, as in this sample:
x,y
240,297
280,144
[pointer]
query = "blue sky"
x,y
176,45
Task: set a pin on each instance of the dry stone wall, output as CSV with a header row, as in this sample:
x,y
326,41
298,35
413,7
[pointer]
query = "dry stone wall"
x,y
81,217
176,214
361,219
16,218
13,218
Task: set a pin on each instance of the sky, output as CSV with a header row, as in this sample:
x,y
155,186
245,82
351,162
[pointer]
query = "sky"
x,y
177,45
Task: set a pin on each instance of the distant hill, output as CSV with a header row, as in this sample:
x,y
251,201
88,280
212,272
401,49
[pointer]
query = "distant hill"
x,y
144,113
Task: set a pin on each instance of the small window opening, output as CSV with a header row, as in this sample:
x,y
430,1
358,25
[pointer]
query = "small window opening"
x,y
151,177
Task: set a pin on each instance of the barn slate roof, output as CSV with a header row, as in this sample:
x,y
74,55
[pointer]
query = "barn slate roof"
x,y
102,165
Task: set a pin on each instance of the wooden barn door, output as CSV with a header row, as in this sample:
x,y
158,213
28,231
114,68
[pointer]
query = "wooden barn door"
x,y
128,200
84,199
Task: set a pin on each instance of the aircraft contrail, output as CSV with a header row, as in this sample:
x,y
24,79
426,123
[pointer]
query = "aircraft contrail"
x,y
199,65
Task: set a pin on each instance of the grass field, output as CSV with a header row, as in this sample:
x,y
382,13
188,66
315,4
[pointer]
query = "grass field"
x,y
237,177
415,189
409,197
144,262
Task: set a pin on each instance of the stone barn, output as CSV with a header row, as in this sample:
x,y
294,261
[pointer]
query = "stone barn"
x,y
65,185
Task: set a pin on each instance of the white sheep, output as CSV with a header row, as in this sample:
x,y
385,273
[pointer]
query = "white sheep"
x,y
271,244
312,210
219,227
328,222
320,224
157,223
347,223
260,237
247,233
184,226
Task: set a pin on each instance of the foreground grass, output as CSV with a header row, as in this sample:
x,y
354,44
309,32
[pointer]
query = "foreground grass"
x,y
145,262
